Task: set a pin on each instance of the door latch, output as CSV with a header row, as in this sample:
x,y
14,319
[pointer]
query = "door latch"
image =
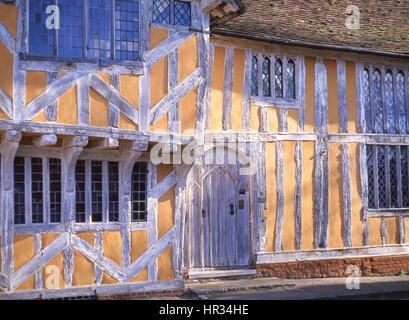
x,y
231,208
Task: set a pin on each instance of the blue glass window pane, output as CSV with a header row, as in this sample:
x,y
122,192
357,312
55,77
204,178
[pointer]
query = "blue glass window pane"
x,y
126,29
99,31
70,39
182,13
41,39
161,11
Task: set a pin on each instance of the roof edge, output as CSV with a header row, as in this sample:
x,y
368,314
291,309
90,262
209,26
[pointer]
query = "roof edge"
x,y
309,44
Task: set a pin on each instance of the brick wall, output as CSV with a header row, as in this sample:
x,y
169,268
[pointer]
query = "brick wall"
x,y
369,266
142,294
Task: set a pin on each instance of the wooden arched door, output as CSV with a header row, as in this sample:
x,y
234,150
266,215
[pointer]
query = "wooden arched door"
x,y
217,224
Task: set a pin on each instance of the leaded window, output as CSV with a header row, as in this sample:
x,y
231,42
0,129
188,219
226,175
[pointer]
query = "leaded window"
x,y
172,12
97,191
88,29
277,77
385,104
139,197
37,190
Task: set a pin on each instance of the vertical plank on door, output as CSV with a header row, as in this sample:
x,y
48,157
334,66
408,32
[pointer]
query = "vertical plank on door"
x,y
231,220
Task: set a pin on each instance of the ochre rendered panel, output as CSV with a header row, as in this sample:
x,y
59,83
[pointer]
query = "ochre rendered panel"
x,y
139,245
9,17
67,106
98,110
166,207
392,230
188,59
308,195
273,120
333,109
40,117
55,267
356,201
6,74
351,97
23,252
36,83
309,94
335,239
292,120
237,95
3,116
271,193
188,113
288,235
83,268
217,89
255,118
159,78
374,227
112,250
129,89
165,265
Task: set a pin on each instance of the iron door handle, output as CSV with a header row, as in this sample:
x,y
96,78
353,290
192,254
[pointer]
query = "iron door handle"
x,y
231,209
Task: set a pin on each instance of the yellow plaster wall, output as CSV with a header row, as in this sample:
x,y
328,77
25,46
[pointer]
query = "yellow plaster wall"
x,y
217,89
130,91
271,193
333,109
23,252
308,195
309,94
83,274
9,17
58,260
351,97
139,244
6,74
159,77
99,106
112,250
166,207
237,96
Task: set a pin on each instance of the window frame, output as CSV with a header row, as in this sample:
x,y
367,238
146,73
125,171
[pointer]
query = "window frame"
x,y
31,60
385,140
174,26
272,101
46,192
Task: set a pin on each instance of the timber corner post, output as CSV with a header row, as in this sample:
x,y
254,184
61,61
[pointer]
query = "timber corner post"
x,y
10,141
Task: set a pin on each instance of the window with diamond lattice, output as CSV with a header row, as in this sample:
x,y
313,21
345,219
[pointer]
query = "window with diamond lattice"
x,y
172,12
385,102
388,176
88,29
275,75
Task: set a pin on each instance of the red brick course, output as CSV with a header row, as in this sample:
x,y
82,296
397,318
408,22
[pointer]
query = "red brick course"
x,y
142,294
368,266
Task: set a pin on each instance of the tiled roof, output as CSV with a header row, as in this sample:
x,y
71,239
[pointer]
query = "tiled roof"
x,y
384,25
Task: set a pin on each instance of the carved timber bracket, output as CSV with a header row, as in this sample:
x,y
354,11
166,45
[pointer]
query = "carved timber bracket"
x,y
72,148
9,145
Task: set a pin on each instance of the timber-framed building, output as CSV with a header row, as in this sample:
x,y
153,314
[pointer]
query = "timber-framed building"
x,y
149,142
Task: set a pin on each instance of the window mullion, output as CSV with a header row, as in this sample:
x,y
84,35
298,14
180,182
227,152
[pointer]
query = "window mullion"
x,y
27,190
399,175
386,128
285,77
260,74
372,100
46,190
396,101
272,75
388,177
85,28
172,12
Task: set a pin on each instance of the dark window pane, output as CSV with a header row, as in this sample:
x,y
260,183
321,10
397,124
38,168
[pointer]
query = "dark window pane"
x,y
290,79
393,176
266,78
113,191
377,103
161,11
96,183
400,92
139,175
80,191
19,191
37,190
367,102
382,176
390,104
70,34
41,39
254,76
126,30
279,78
405,176
182,13
55,190
371,177
99,30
